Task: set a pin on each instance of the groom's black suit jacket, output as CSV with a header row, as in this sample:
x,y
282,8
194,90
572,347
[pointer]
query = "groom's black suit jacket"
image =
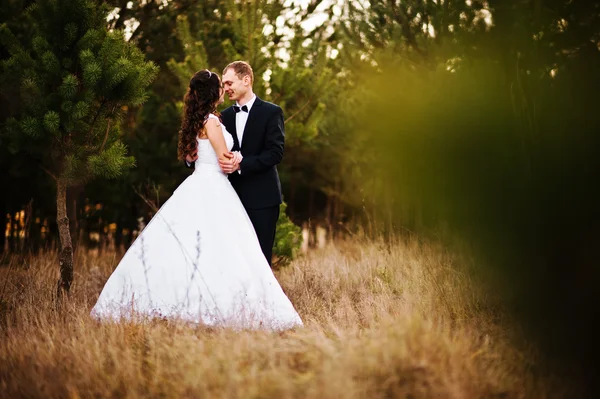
x,y
258,184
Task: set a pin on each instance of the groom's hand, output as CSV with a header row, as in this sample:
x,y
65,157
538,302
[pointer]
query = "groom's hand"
x,y
228,165
191,158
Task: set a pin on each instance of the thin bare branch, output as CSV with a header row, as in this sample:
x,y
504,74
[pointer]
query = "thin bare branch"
x,y
52,175
297,112
148,202
105,136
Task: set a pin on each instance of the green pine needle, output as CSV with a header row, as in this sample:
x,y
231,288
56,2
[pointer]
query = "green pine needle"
x,y
69,86
80,110
31,127
51,63
52,121
92,73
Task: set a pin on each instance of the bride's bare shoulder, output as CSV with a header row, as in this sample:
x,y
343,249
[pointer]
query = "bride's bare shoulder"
x,y
213,120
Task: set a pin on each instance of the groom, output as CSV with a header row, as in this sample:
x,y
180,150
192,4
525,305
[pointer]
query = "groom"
x,y
258,133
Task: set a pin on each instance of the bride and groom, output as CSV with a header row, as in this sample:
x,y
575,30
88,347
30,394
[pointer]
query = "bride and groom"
x,y
205,256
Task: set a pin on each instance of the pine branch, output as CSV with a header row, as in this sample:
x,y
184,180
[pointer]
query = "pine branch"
x,y
400,15
124,12
104,101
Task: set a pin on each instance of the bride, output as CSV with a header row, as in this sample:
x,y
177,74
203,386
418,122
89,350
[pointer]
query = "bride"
x,y
199,259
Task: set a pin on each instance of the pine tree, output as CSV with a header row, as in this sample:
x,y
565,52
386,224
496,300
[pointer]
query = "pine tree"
x,y
75,78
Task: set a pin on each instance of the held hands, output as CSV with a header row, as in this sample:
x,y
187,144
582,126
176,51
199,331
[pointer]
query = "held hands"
x,y
237,157
231,163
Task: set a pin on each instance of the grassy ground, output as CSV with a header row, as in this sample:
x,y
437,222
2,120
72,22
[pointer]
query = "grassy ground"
x,y
402,320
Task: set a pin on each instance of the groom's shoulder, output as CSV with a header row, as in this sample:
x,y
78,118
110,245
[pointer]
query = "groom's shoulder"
x,y
227,110
270,106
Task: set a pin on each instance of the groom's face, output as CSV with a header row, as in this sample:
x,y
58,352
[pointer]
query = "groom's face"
x,y
235,87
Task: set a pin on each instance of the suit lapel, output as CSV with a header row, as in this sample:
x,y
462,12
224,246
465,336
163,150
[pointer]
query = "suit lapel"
x,y
229,119
251,117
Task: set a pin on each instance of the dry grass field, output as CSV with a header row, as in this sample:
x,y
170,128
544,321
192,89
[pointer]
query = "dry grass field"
x,y
399,320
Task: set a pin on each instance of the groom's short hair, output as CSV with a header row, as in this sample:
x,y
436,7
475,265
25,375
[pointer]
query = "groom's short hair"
x,y
241,69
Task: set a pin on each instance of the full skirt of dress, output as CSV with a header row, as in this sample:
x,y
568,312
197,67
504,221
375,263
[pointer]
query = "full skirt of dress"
x,y
198,260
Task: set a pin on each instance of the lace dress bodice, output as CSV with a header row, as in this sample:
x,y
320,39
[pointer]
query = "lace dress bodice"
x,y
207,158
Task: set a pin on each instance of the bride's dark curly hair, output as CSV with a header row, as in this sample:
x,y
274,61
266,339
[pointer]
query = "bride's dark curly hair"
x,y
200,100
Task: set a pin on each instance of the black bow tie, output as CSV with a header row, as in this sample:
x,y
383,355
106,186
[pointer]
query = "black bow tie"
x,y
238,109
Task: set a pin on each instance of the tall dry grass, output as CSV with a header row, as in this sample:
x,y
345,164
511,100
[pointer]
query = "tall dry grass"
x,y
382,320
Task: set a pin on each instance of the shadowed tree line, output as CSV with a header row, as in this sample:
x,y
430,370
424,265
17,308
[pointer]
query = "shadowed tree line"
x,y
181,37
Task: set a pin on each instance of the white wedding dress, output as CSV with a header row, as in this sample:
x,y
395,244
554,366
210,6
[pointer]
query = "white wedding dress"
x,y
199,260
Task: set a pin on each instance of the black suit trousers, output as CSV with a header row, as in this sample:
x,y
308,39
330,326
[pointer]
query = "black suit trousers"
x,y
264,222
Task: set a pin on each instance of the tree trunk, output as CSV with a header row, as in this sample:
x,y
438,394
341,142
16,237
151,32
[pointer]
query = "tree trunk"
x,y
3,237
73,194
311,203
27,223
4,220
65,257
12,237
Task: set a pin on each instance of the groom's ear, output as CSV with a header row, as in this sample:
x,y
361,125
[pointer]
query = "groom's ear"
x,y
247,80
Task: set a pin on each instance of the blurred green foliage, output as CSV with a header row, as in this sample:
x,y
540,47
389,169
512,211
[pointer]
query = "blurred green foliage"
x,y
497,149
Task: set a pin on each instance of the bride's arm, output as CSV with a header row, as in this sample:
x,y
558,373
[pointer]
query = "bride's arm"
x,y
215,136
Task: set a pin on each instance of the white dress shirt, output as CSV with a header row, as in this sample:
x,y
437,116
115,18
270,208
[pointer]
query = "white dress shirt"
x,y
241,118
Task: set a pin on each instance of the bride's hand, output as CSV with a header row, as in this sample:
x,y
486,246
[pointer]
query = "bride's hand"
x,y
234,157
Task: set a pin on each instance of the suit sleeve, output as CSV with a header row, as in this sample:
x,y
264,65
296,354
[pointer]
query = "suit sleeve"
x,y
272,154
